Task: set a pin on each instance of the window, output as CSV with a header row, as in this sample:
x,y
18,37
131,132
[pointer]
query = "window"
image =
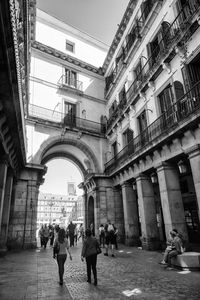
x,y
128,139
165,99
138,71
69,46
70,114
142,121
114,149
70,78
122,96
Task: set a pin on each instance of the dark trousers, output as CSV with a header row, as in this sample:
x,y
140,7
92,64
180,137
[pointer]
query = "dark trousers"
x,y
45,241
71,239
102,239
61,258
91,262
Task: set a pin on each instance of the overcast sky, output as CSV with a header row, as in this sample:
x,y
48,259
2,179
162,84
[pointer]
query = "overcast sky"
x,y
98,18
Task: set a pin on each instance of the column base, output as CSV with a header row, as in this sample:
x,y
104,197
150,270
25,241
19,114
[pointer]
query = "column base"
x,y
150,243
132,241
3,251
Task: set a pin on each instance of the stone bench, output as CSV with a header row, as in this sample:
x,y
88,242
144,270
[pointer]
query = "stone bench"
x,y
187,260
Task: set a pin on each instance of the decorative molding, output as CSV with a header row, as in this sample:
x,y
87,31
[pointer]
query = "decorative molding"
x,y
61,55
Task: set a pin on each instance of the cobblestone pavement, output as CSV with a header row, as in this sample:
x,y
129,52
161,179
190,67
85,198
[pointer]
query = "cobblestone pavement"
x,y
132,274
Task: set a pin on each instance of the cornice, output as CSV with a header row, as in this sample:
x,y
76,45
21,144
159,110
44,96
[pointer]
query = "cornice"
x,y
61,55
126,17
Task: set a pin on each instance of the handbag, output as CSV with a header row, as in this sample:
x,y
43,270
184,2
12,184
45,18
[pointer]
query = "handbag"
x,y
98,249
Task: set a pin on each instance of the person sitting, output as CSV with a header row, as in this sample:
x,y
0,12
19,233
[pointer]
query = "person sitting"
x,y
174,247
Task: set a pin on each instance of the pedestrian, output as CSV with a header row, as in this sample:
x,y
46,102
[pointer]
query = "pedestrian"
x,y
115,236
45,235
109,238
174,248
51,235
102,235
89,252
61,243
75,235
81,233
41,236
92,229
71,228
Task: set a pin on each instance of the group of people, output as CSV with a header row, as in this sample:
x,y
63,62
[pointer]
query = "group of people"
x,y
90,247
108,237
89,252
46,233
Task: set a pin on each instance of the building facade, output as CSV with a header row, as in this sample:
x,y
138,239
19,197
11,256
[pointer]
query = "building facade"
x,y
127,116
55,209
152,91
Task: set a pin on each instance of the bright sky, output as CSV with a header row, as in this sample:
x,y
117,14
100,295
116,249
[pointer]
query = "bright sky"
x,y
61,171
98,18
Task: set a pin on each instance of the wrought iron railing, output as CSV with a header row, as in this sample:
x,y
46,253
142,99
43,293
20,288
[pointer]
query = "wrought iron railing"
x,y
171,36
131,38
67,120
66,81
166,123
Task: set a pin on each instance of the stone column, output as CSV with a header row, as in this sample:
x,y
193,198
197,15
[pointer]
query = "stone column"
x,y
131,218
119,213
171,199
6,212
194,157
147,211
3,174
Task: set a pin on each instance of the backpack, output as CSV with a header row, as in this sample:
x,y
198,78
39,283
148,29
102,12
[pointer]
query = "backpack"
x,y
110,227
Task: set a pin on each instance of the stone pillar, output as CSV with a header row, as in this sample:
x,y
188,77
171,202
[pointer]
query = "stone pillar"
x,y
6,213
194,157
23,224
171,199
131,218
147,212
3,174
119,213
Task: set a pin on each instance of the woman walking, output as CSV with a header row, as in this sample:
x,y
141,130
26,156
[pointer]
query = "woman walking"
x,y
89,252
60,249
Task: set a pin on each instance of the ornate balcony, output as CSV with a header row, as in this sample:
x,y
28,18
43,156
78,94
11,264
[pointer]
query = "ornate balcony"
x,y
174,36
68,82
132,38
161,128
60,119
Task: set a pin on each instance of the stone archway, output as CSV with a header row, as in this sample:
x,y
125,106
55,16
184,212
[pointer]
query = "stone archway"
x,y
56,141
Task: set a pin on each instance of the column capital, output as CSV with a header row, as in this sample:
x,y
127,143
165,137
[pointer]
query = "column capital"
x,y
164,166
193,151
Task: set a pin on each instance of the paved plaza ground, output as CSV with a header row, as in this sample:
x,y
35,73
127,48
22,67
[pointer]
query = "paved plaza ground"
x,y
132,274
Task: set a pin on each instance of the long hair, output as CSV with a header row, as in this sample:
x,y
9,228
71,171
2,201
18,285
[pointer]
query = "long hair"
x,y
61,235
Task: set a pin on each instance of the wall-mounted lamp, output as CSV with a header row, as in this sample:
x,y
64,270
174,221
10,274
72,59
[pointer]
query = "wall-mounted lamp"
x,y
154,178
182,167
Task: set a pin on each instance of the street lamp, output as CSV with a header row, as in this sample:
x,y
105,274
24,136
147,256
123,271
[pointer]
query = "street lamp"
x,y
182,167
50,204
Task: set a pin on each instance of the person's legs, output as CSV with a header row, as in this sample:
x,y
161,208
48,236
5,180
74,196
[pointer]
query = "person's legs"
x,y
88,264
61,261
94,269
107,242
172,253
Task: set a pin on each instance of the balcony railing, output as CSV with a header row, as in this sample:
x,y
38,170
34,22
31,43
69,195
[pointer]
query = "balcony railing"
x,y
178,30
68,120
131,38
166,123
66,81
